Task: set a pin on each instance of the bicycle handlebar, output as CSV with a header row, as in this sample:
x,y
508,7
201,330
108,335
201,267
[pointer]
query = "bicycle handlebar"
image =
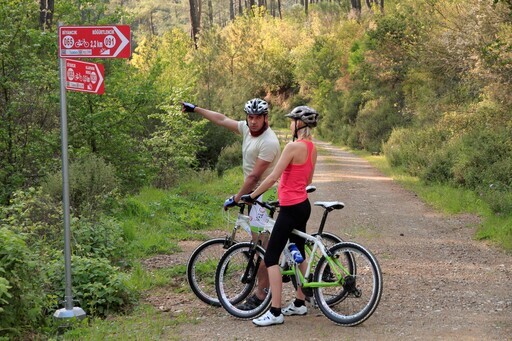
x,y
270,205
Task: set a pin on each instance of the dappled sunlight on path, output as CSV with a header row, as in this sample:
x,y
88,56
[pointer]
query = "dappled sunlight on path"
x,y
335,165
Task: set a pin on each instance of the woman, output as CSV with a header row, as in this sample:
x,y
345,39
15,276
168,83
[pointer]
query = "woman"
x,y
295,168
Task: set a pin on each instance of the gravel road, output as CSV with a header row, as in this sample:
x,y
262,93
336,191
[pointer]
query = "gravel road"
x,y
439,283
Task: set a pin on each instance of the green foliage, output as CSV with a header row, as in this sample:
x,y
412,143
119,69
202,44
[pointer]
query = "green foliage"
x,y
375,122
21,302
99,239
28,84
99,287
93,185
113,126
90,12
174,145
498,229
155,220
478,159
171,278
35,215
31,228
230,157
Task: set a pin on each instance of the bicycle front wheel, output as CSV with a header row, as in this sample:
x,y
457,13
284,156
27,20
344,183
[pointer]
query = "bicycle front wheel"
x,y
236,279
360,285
201,268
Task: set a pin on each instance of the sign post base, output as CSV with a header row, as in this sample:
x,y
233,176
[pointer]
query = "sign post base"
x,y
64,313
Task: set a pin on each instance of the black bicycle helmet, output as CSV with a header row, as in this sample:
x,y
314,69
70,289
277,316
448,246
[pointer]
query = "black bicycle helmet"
x,y
256,106
305,114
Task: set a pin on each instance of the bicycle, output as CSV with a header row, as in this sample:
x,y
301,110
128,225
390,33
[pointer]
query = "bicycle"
x,y
345,281
203,261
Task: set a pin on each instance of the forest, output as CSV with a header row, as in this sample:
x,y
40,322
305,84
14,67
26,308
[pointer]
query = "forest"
x,y
426,83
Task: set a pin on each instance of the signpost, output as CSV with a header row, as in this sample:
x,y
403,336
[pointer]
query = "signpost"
x,y
84,77
94,41
82,42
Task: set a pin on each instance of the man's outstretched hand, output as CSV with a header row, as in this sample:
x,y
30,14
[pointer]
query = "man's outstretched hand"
x,y
188,107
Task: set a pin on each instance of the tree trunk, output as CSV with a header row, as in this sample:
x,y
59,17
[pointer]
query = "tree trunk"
x,y
210,13
355,11
231,10
46,14
195,19
379,3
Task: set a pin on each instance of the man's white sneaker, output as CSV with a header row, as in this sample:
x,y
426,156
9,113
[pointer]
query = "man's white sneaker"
x,y
268,319
291,309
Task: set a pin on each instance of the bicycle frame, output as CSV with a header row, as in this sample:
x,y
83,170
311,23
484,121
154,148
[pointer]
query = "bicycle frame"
x,y
313,255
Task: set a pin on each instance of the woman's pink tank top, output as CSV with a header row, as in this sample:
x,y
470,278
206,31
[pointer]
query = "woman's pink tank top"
x,y
292,186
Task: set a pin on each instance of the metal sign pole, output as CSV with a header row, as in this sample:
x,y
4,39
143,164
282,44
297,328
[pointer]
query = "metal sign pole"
x,y
68,311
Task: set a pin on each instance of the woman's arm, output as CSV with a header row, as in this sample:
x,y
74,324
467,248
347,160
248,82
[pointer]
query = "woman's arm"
x,y
313,160
285,159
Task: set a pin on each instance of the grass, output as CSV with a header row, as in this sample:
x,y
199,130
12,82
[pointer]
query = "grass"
x,y
144,323
154,221
496,229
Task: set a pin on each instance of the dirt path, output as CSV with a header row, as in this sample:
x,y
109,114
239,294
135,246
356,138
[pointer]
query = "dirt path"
x,y
438,282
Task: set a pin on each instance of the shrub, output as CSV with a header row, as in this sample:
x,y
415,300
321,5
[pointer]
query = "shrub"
x,y
440,168
101,239
375,123
4,290
34,214
482,159
93,185
230,156
476,159
99,287
21,302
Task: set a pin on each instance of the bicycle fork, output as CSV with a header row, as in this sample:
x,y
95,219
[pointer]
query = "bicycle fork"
x,y
252,265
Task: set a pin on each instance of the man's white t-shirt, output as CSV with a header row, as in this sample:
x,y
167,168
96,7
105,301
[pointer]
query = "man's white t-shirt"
x,y
267,148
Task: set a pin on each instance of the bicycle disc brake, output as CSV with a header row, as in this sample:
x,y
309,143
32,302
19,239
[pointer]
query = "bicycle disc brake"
x,y
350,286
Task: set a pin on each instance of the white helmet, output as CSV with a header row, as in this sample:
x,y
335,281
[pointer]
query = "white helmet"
x,y
305,114
256,106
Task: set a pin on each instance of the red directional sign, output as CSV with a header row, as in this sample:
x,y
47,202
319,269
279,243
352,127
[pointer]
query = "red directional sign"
x,y
84,77
94,41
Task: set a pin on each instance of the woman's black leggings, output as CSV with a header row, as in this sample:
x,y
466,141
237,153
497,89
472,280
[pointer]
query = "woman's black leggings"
x,y
289,218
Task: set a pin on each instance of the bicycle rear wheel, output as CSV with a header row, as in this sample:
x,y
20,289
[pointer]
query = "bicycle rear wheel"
x,y
361,286
236,278
201,268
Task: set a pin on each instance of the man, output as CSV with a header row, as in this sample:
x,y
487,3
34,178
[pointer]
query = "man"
x,y
260,152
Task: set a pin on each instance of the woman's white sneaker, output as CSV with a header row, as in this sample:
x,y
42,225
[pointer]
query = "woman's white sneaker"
x,y
268,319
291,309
